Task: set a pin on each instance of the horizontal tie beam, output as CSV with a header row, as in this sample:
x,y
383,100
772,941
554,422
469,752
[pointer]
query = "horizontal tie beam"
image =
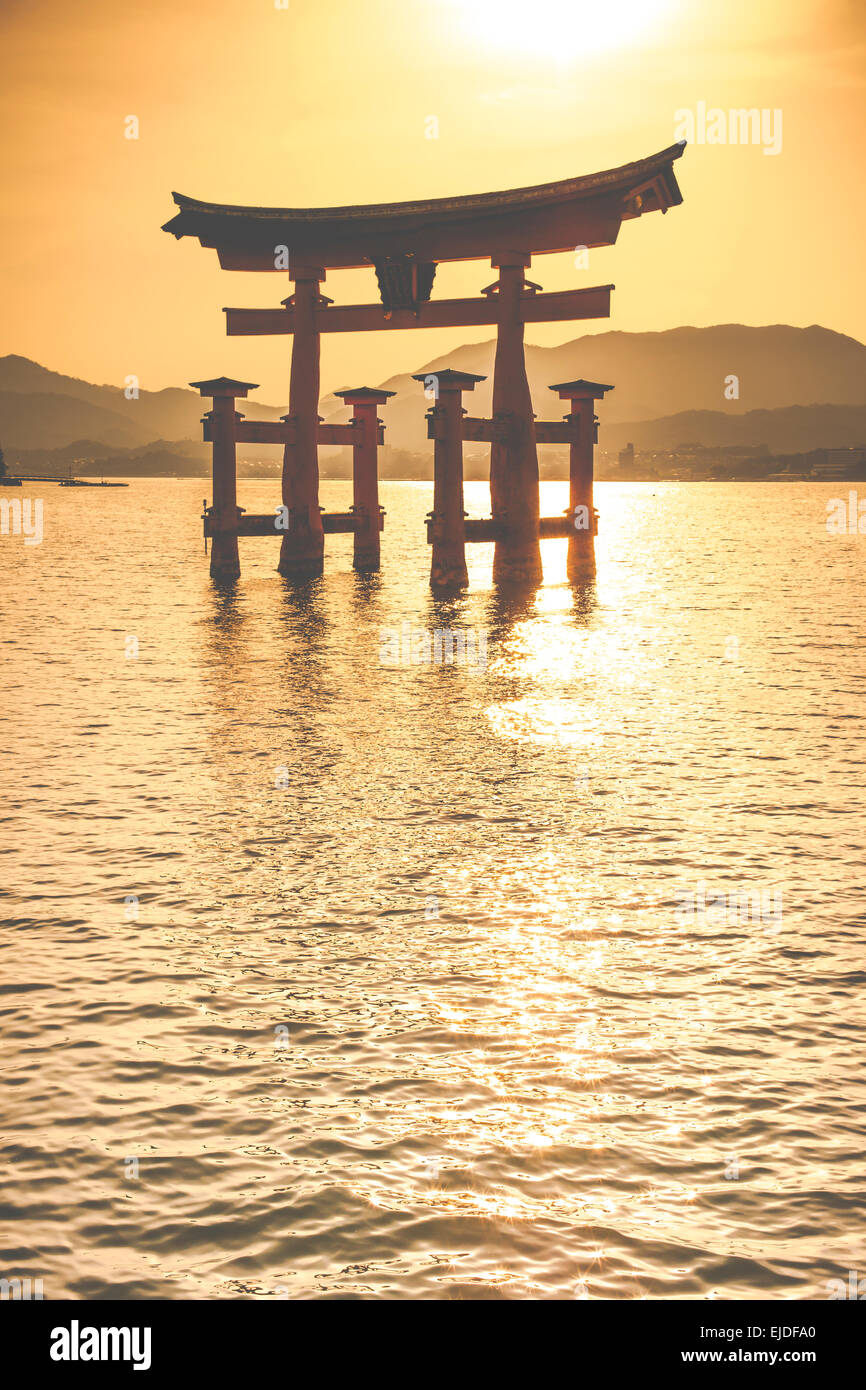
x,y
283,432
557,431
271,524
592,303
475,431
490,529
495,431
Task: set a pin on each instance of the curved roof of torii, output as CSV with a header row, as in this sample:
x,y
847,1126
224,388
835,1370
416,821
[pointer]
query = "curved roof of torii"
x,y
584,211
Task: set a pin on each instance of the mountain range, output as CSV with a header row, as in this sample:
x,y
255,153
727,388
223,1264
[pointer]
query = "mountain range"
x,y
791,389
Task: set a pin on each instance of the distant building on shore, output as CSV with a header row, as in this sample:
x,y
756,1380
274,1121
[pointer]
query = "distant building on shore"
x,y
840,463
632,467
695,462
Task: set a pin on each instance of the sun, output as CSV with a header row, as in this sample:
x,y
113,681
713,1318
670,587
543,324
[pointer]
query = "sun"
x,y
562,29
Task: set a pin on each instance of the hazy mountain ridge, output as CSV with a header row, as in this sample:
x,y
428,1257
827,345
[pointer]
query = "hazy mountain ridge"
x,y
659,375
799,388
792,429
42,409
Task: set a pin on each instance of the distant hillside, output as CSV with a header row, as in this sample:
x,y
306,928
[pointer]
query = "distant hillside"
x,y
657,375
86,458
799,388
41,409
42,419
795,430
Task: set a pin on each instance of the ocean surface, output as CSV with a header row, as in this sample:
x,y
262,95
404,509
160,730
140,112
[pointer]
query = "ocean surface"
x,y
537,974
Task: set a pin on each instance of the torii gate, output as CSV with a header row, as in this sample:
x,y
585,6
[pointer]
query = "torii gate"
x,y
404,242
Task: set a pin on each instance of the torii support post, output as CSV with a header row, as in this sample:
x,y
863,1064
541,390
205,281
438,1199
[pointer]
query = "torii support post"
x,y
447,524
223,391
514,497
581,539
303,546
365,473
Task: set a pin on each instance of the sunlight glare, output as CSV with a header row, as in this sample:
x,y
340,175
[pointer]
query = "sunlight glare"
x,y
562,28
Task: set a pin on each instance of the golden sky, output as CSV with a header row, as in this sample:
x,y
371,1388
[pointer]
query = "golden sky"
x,y
325,102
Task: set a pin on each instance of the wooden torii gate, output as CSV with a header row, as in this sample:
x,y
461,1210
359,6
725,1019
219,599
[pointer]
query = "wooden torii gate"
x,y
405,242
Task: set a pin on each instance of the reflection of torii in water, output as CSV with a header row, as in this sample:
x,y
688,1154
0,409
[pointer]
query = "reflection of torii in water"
x,y
404,242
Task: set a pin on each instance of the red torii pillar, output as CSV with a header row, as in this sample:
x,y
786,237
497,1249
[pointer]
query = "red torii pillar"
x,y
365,473
223,391
514,462
447,528
582,395
303,546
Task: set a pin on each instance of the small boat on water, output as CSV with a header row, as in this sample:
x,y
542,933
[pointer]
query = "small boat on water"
x,y
84,482
10,482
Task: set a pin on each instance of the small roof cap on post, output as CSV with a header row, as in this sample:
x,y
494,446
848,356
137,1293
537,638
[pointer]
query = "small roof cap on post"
x,y
448,379
574,390
356,395
224,386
